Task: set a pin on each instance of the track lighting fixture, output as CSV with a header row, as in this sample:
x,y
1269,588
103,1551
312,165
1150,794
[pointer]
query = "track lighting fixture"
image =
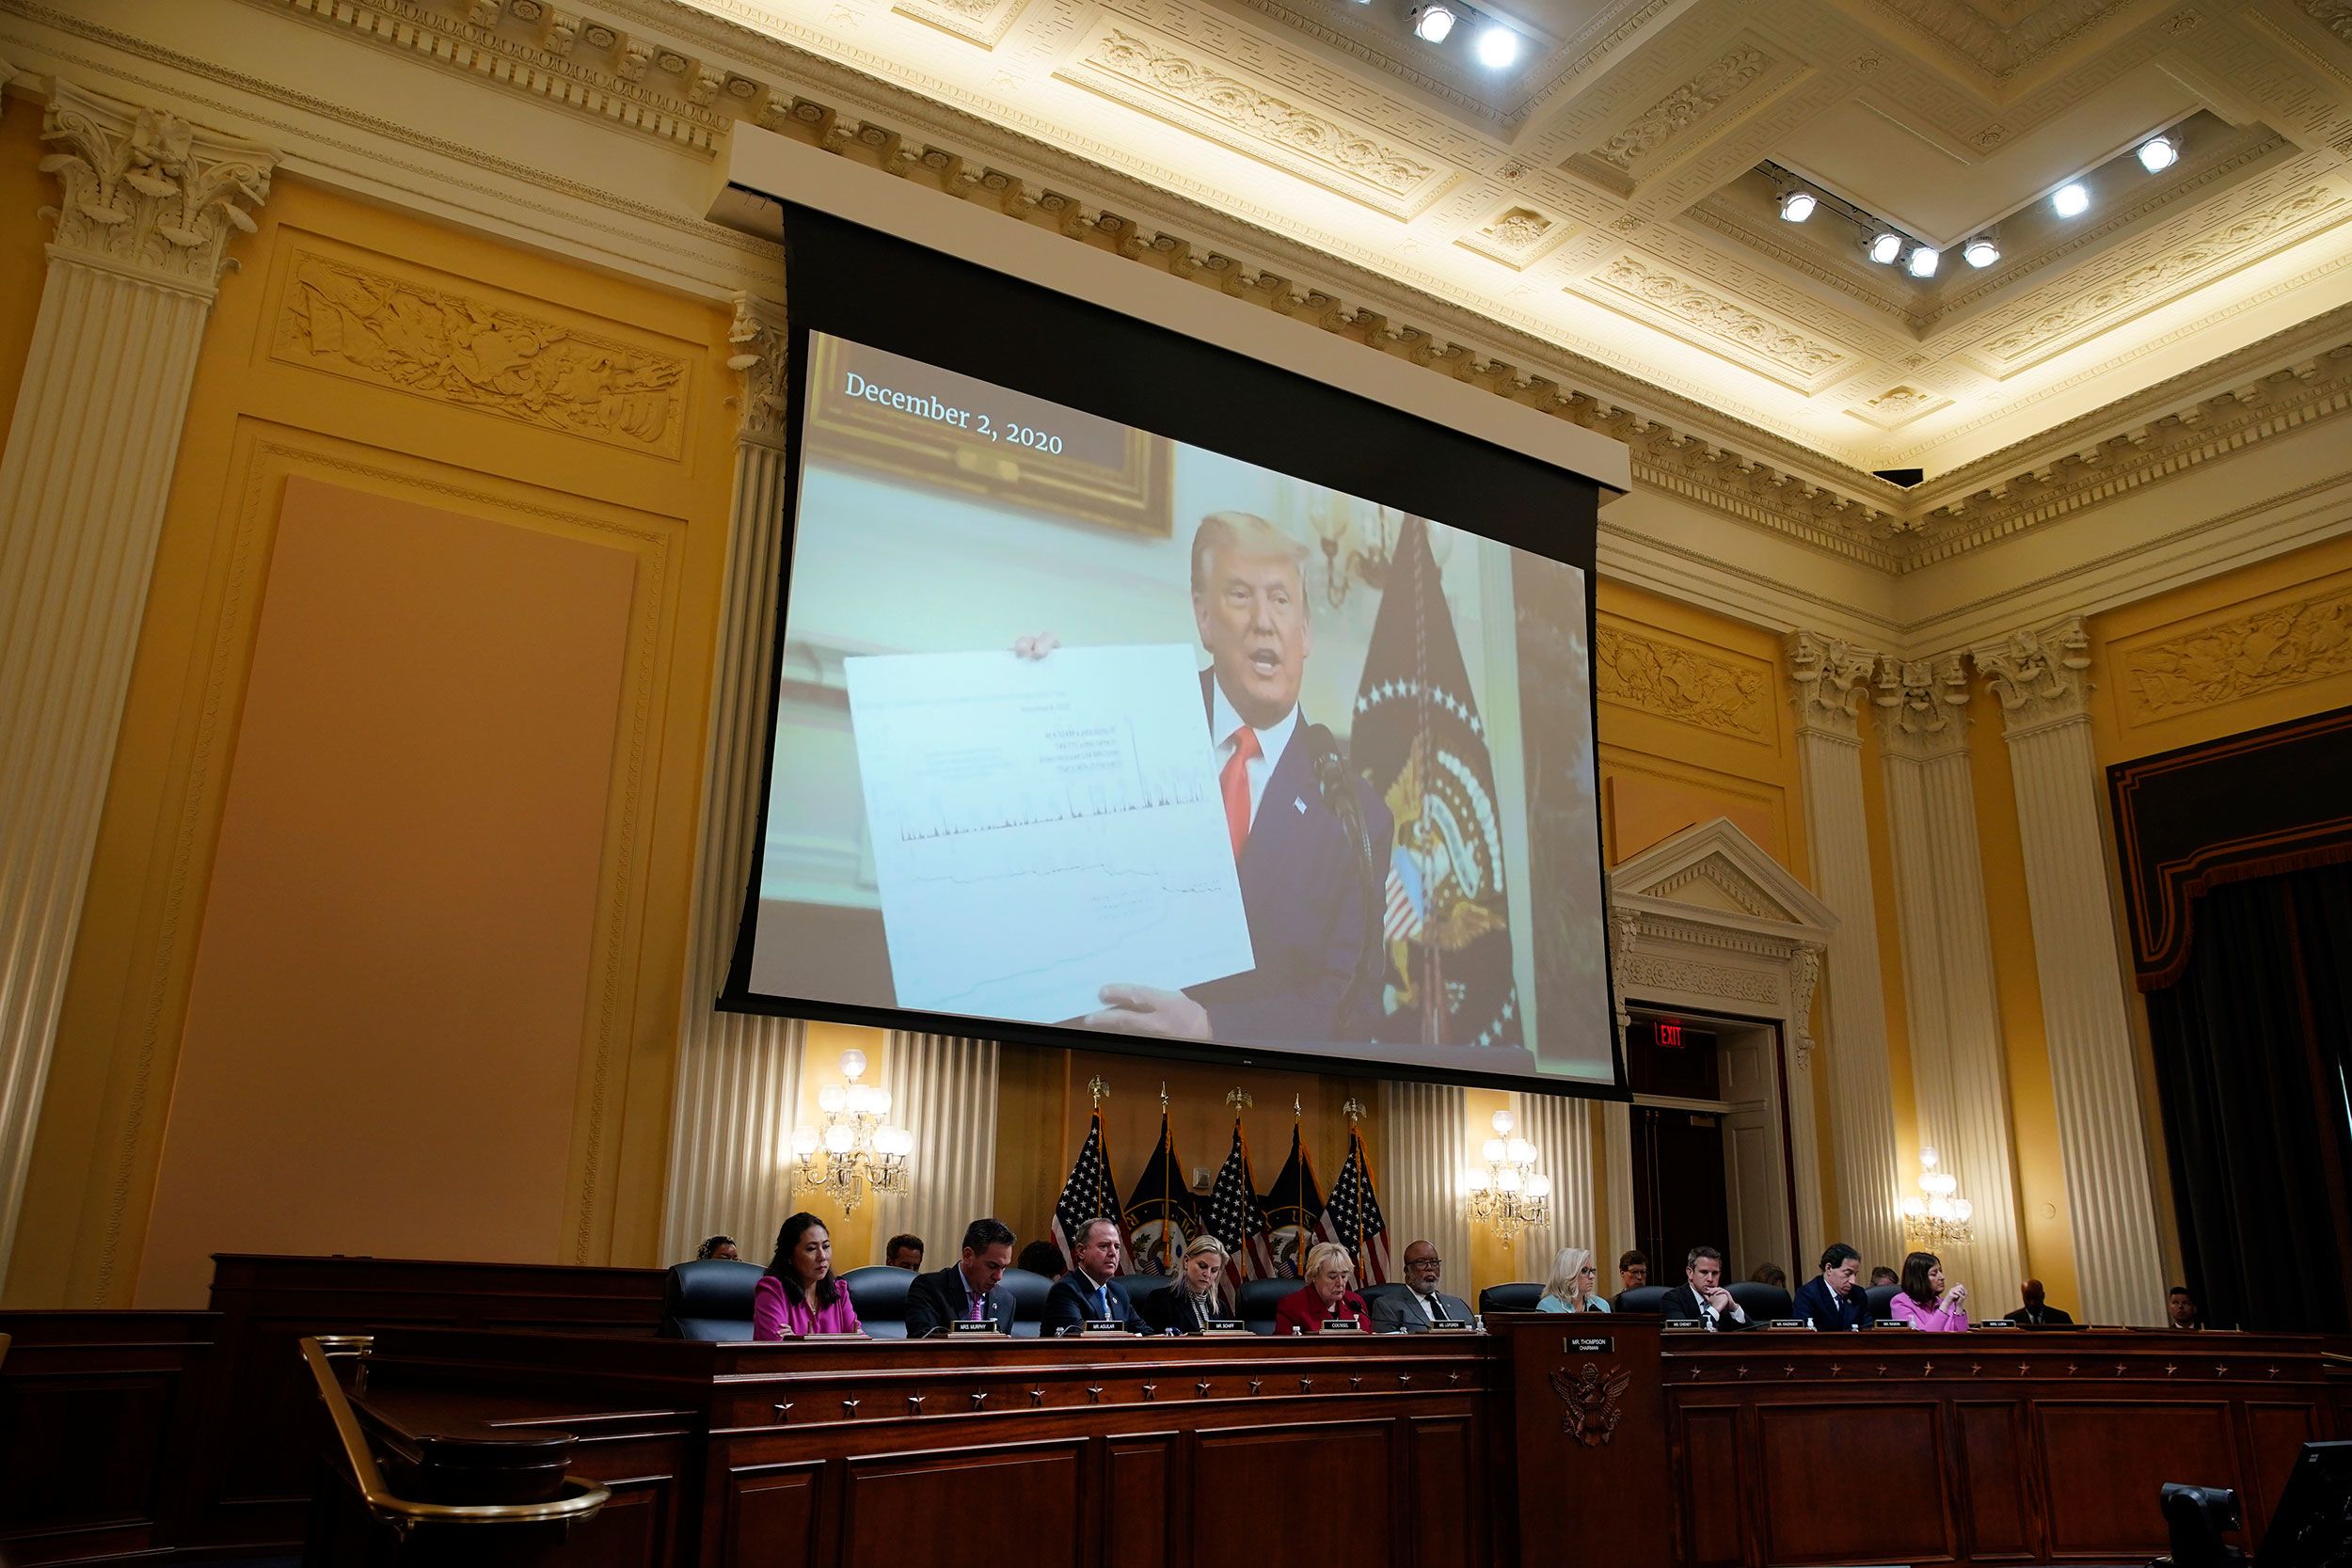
x,y
1886,247
2158,154
1982,251
1923,261
1797,205
1431,24
2071,200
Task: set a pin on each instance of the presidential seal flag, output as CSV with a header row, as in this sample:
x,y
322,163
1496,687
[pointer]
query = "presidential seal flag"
x,y
1089,1194
1236,1218
1418,738
1294,1207
1352,1217
1160,1212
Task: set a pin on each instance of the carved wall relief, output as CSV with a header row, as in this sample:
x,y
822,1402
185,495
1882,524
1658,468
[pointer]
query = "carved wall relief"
x,y
1675,683
2285,646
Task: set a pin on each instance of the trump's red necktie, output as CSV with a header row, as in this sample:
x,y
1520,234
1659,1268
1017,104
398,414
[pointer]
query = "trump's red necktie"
x,y
1234,781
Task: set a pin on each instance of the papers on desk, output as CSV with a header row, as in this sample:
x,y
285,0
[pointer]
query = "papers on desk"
x,y
1044,828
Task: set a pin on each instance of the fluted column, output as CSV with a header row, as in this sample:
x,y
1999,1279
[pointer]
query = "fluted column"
x,y
1561,1128
1831,678
1427,1127
1958,1066
2042,678
149,206
943,1089
739,1076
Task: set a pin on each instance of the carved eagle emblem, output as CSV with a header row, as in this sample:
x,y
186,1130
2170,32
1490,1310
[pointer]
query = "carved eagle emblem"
x,y
1592,1398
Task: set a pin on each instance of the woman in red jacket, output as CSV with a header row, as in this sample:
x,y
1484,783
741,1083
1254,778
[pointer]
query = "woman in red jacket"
x,y
1328,1293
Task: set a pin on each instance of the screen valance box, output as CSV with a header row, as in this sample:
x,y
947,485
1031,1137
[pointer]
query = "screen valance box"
x,y
2258,805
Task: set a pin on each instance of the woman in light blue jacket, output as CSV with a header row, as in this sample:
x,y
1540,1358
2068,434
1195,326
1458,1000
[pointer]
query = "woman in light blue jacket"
x,y
1574,1285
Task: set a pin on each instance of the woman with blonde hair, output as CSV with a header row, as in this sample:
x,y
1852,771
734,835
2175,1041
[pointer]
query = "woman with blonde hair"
x,y
1196,1297
1574,1285
1328,1295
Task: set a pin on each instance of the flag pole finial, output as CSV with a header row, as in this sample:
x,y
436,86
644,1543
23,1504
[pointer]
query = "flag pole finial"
x,y
1163,1096
1096,1088
1353,1110
1297,1108
1240,1100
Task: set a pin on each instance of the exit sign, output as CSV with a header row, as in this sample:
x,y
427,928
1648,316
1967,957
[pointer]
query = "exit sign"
x,y
1669,1034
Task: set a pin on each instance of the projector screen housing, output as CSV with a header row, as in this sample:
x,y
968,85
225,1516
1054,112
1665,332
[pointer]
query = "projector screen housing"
x,y
921,548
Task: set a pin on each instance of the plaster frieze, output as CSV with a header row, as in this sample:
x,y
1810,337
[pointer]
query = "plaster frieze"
x,y
146,193
1774,347
1681,108
1921,705
2271,649
1804,973
1668,681
1831,680
2040,674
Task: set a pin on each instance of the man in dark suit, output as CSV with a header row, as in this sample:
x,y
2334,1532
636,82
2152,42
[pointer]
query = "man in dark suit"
x,y
1831,1300
1091,1292
2038,1313
1310,836
1703,1296
1422,1303
969,1290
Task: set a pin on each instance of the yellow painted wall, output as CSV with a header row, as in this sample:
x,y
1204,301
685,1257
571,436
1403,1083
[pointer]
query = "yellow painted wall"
x,y
512,402
26,191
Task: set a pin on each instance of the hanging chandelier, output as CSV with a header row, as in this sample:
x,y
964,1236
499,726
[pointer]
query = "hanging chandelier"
x,y
1937,1217
1509,1193
856,1152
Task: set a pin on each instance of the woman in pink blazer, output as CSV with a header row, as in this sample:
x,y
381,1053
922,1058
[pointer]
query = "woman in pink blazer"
x,y
800,1294
1922,1300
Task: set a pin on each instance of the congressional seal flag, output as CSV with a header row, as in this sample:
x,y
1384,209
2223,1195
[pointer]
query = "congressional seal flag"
x,y
1294,1207
1160,1212
1352,1216
1236,1217
1089,1194
1418,738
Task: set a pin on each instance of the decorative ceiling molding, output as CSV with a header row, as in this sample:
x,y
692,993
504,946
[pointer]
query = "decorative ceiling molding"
x,y
1682,108
1725,324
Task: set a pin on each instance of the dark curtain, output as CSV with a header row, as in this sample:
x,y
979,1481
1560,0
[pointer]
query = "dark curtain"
x,y
2255,1071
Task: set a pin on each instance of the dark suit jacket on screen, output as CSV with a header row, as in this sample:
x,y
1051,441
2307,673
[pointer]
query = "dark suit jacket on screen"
x,y
1071,1302
1300,889
1683,1302
939,1297
1817,1304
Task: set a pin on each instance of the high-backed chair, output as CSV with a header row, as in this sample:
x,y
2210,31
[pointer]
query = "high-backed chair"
x,y
1520,1295
1881,1300
1029,1290
1761,1302
1258,1299
878,1293
1642,1298
1374,1294
709,1299
1141,1285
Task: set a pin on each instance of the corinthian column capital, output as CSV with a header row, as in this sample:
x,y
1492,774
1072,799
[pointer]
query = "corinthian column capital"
x,y
146,193
1922,707
1832,677
761,358
2040,676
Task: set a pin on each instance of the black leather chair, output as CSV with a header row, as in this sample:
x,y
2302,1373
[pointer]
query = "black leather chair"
x,y
1881,1300
878,1293
1141,1285
1644,1299
710,1299
1374,1294
1761,1302
1520,1295
1258,1300
1029,1290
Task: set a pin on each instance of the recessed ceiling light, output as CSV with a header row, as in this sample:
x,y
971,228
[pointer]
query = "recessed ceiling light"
x,y
2071,200
1431,24
1923,259
1496,47
1981,251
2158,152
1796,206
1886,246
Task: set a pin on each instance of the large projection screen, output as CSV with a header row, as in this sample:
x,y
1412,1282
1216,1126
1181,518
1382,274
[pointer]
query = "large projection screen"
x,y
1132,693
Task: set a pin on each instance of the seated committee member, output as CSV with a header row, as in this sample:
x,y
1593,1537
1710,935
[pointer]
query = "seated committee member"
x,y
1832,1300
1312,888
1574,1285
1328,1295
1702,1294
1769,1273
1196,1297
721,1247
1090,1292
2179,1309
904,1252
1922,1300
1632,1274
2038,1313
1424,1303
1883,1276
800,1294
971,1288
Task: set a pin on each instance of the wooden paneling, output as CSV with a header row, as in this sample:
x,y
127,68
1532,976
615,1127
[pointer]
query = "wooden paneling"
x,y
1138,1478
925,1507
2275,1435
1824,1507
1263,1474
772,1513
2108,1461
1444,1495
1997,1515
1713,1523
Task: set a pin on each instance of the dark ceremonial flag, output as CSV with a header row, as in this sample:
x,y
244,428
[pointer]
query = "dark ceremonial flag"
x,y
1353,1217
1236,1216
1089,1194
1294,1207
1418,738
1161,1215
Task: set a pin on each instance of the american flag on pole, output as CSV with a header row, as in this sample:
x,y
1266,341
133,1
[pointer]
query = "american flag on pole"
x,y
1234,1215
1353,1217
1089,1194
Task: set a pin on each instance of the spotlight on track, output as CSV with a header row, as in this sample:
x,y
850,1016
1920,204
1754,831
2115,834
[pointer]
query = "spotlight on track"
x,y
1496,47
1982,251
2158,154
1886,247
1923,261
2071,200
1797,205
1431,24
